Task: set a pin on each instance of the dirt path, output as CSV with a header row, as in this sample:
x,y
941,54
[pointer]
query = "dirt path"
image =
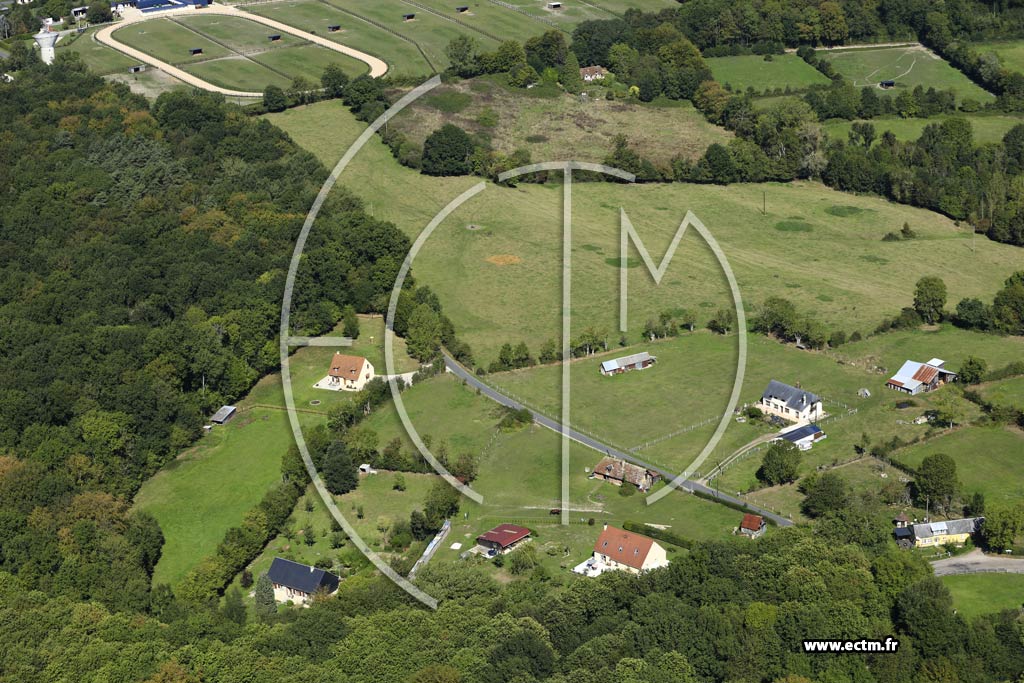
x,y
859,47
133,16
977,562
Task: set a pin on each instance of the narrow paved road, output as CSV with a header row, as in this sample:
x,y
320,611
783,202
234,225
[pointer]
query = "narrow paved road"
x,y
485,389
133,16
977,562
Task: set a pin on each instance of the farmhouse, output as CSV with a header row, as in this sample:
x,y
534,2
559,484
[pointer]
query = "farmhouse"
x,y
299,582
930,534
917,378
790,403
636,361
617,471
350,373
802,436
620,550
593,73
753,526
503,538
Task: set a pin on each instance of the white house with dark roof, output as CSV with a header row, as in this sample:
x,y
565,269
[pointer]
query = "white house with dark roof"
x,y
790,403
636,361
297,582
918,378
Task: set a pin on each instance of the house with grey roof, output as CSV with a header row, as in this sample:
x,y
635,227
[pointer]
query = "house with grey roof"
x,y
917,378
790,403
298,582
636,361
931,534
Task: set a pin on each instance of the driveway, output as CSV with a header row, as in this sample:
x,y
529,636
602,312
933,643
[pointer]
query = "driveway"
x,y
590,442
977,562
133,16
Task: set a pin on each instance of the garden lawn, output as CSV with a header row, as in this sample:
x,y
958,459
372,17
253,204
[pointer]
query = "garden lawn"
x,y
976,594
315,16
907,66
752,71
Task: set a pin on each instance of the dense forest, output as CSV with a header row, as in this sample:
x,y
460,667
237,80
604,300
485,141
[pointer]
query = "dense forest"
x,y
143,251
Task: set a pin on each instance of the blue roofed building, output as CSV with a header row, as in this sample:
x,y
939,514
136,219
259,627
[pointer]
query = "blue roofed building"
x,y
299,582
804,436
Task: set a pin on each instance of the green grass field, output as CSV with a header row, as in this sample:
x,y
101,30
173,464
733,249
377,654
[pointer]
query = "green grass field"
x,y
561,126
909,67
489,18
987,128
211,486
989,459
822,249
169,41
1008,392
571,13
1010,53
314,16
99,58
237,53
754,72
975,594
429,31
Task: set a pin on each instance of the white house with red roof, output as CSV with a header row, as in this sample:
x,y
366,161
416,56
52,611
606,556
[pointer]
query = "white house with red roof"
x,y
620,550
348,373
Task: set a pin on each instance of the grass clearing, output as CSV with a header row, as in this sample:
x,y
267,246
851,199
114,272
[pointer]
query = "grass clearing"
x,y
238,73
562,126
752,71
987,128
315,16
211,486
976,594
1009,52
907,66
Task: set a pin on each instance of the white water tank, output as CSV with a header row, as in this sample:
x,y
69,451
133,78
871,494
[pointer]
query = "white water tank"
x,y
46,39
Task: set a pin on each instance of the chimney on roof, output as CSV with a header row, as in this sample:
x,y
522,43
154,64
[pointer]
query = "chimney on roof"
x,y
310,570
605,527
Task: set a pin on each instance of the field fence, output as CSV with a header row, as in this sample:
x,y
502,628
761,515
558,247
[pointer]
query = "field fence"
x,y
543,20
383,27
678,432
455,20
431,548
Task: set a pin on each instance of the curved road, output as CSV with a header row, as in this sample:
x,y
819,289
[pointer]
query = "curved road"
x,y
462,373
977,562
133,16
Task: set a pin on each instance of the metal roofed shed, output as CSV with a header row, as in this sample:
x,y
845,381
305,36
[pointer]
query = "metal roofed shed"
x,y
803,437
636,361
223,415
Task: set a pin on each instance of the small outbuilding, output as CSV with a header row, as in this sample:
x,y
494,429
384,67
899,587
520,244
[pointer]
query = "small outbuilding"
x,y
887,84
195,51
334,28
636,361
502,538
223,415
408,17
274,38
803,437
462,9
753,526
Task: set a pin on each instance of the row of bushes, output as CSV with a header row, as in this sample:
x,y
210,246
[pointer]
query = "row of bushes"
x,y
241,544
658,534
